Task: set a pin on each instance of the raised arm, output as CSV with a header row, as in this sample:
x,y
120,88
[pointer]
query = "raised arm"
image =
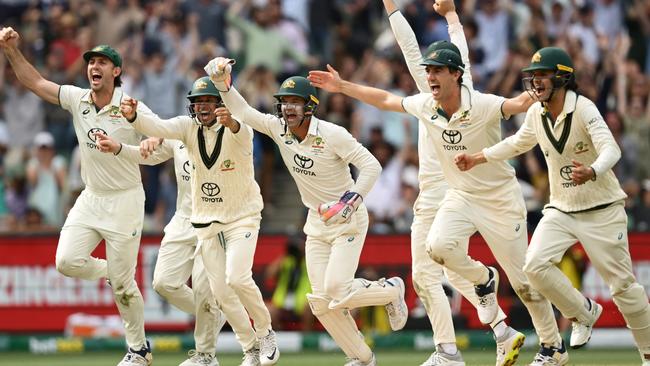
x,y
148,123
332,82
516,105
25,72
408,44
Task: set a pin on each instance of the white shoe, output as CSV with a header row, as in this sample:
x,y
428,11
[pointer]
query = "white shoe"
x,y
136,359
357,362
508,347
269,352
397,310
440,358
200,359
581,333
251,357
488,307
551,356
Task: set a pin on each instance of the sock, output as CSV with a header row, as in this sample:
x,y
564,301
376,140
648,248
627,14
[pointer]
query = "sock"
x,y
500,329
449,348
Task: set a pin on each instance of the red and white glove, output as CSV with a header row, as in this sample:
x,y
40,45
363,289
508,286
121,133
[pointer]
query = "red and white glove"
x,y
339,212
219,70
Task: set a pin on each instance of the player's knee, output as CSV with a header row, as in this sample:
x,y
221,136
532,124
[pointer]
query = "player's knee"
x,y
162,287
528,294
238,283
336,289
438,248
629,296
535,269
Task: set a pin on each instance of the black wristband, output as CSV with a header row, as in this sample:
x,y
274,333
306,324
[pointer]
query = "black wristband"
x,y
118,151
134,117
593,170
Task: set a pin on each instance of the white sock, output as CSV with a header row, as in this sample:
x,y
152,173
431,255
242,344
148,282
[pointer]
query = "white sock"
x,y
500,329
449,348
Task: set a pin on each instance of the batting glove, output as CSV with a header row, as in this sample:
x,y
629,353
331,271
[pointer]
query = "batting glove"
x,y
219,70
339,212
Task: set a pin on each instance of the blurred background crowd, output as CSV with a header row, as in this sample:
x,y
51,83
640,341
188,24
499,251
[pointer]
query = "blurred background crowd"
x,y
165,45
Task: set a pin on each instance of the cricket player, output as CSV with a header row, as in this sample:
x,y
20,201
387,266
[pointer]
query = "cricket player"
x,y
487,200
226,209
176,260
317,154
111,207
586,202
427,274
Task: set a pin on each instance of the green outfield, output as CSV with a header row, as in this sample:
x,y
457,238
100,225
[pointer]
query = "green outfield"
x,y
397,358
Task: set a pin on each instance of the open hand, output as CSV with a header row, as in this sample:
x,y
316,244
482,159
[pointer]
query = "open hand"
x,y
326,80
442,7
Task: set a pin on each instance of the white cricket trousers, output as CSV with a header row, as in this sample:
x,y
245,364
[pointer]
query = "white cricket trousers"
x,y
228,252
603,234
428,275
500,217
332,255
117,218
175,264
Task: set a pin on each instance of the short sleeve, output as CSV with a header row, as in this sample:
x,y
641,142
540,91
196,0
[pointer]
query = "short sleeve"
x,y
69,95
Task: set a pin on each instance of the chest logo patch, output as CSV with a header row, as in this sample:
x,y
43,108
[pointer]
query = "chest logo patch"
x,y
580,148
319,143
227,165
211,190
565,172
303,165
303,161
452,137
93,131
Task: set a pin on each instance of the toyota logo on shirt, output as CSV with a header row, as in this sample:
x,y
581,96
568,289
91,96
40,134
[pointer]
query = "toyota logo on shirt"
x,y
210,189
93,131
565,172
303,161
452,136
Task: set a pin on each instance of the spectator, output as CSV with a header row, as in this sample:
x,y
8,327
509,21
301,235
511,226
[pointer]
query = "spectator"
x,y
46,178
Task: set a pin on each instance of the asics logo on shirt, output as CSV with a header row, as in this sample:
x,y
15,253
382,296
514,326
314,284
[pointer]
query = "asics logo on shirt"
x,y
211,190
303,165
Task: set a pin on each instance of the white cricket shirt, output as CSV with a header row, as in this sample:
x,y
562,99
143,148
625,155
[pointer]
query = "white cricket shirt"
x,y
319,163
221,169
102,172
476,125
579,133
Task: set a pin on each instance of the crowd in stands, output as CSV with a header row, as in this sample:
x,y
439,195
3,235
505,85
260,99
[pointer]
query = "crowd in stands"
x,y
166,43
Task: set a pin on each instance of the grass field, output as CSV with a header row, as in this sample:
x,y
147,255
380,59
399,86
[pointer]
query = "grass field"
x,y
386,358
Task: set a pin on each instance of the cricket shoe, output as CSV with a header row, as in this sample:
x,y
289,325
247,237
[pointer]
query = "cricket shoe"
x,y
581,333
358,362
141,357
551,356
200,359
269,352
440,358
508,346
488,307
251,357
397,310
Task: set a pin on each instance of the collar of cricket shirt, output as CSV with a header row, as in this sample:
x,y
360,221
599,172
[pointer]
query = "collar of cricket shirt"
x,y
465,105
113,107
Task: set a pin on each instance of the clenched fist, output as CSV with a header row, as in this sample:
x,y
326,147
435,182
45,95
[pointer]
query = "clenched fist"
x,y
9,38
128,108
